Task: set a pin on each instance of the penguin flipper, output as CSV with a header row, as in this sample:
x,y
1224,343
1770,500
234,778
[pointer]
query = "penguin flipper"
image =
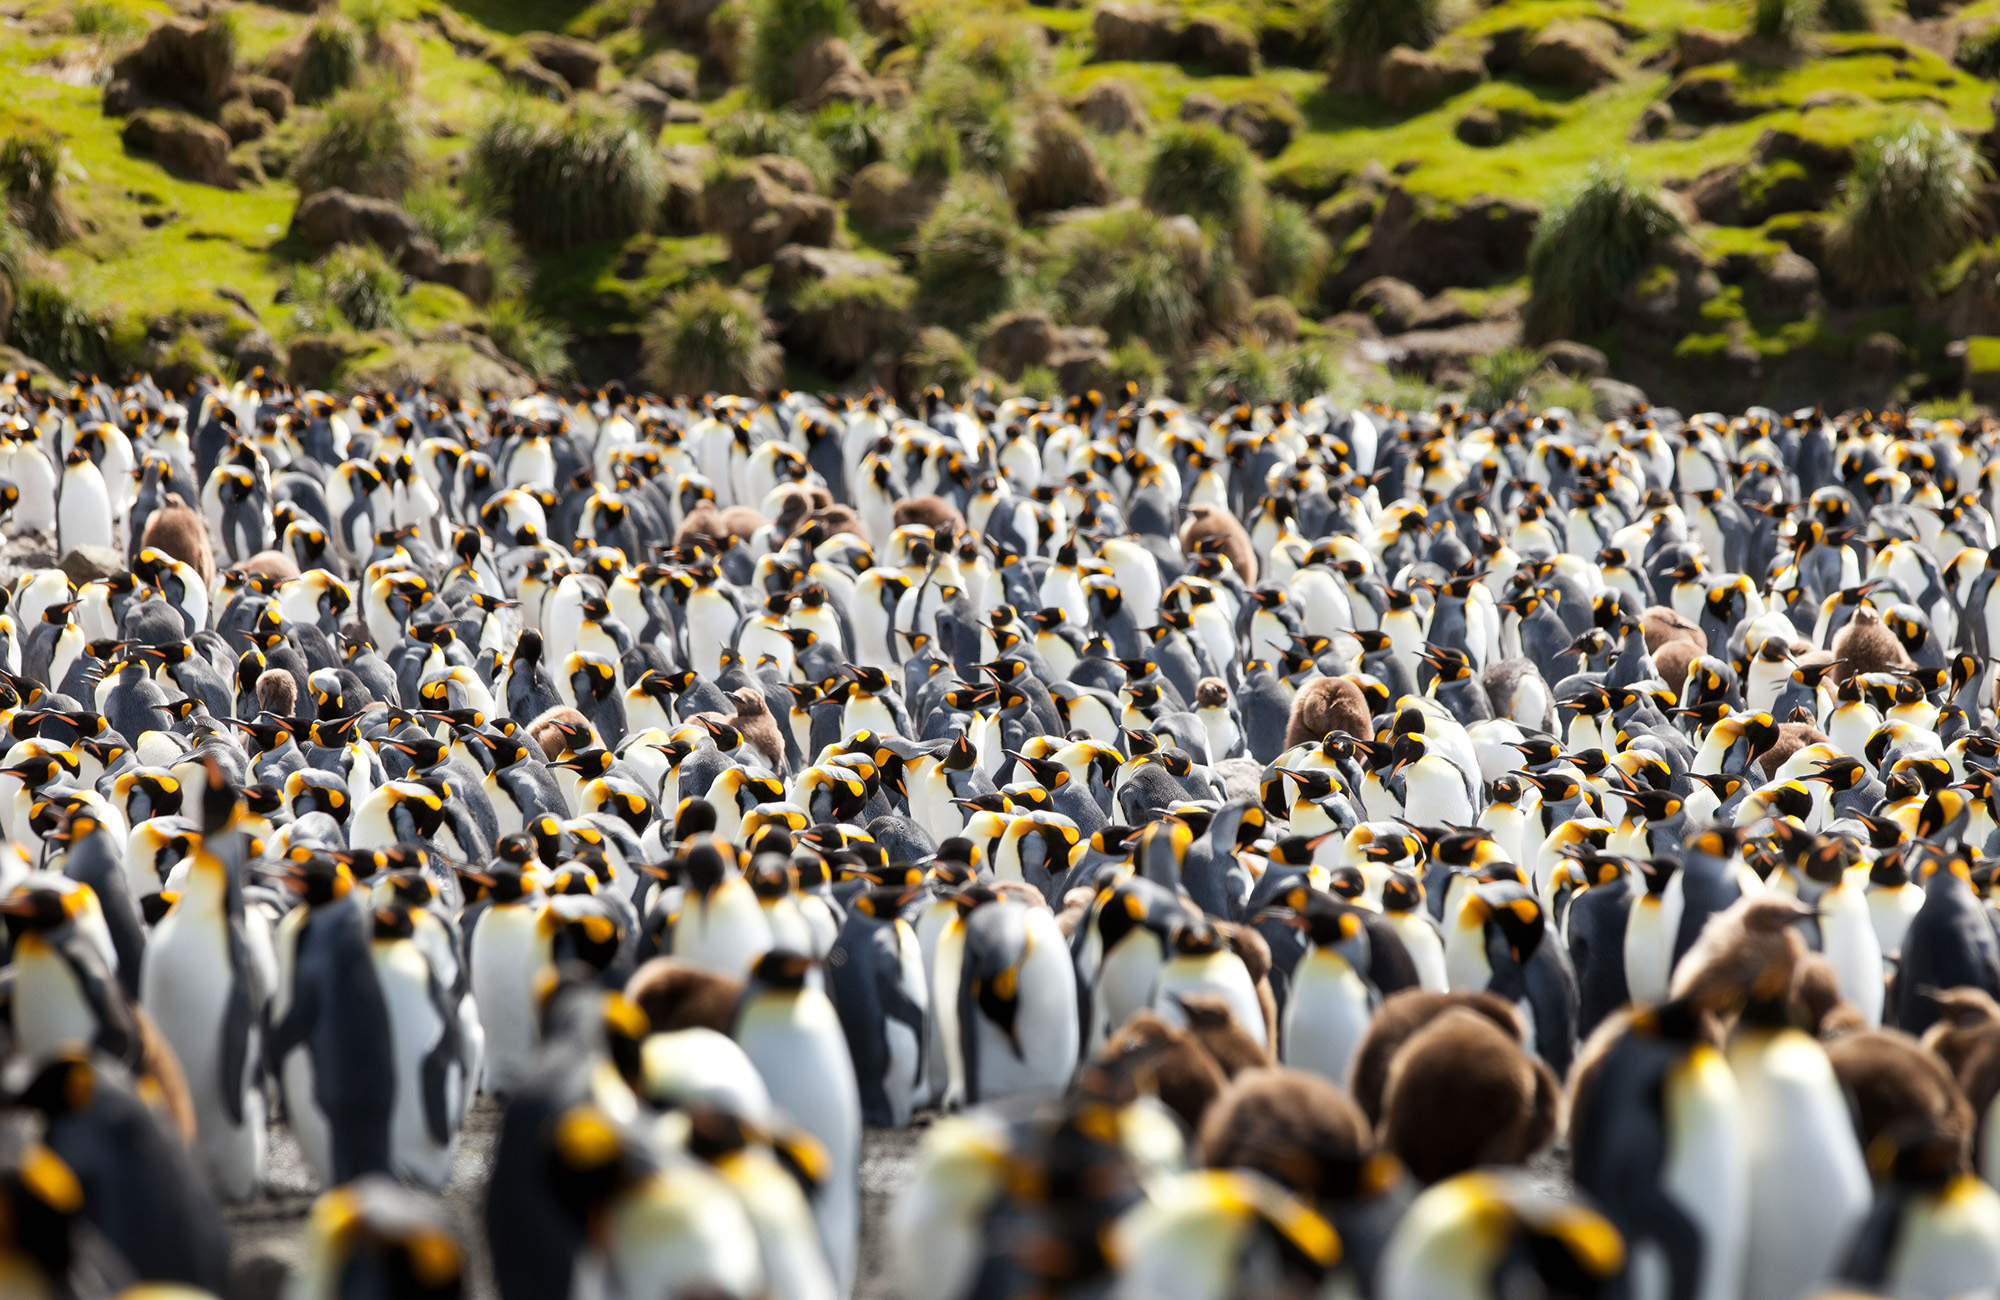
x,y
237,1019
446,1053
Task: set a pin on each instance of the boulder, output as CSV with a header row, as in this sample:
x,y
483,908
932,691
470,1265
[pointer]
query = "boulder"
x,y
469,273
122,98
243,121
828,71
680,210
185,145
1789,286
1394,304
759,213
1828,157
1451,351
1411,79
1016,340
1696,47
1617,400
1129,31
1655,120
645,102
92,563
884,197
1111,106
797,265
1484,127
672,72
183,61
1578,360
335,216
528,74
1265,126
1081,358
684,17
1343,214
1435,245
1881,355
1200,106
788,172
312,360
577,62
1707,95
1579,52
274,97
1219,46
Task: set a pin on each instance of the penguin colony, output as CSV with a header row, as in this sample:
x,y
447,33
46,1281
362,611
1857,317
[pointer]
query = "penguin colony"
x,y
1258,835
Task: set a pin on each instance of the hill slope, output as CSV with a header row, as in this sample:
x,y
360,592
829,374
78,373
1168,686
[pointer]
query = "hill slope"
x,y
1217,196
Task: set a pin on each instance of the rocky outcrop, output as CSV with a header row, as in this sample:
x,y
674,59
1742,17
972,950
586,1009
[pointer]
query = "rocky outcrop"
x,y
828,71
797,265
1111,106
182,61
1266,126
183,144
1435,245
1127,31
1577,52
1411,79
759,208
578,63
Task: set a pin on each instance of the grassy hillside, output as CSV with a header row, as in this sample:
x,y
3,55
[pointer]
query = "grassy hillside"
x,y
1205,196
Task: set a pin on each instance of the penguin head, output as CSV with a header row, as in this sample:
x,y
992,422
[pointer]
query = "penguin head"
x,y
41,1199
320,879
376,1238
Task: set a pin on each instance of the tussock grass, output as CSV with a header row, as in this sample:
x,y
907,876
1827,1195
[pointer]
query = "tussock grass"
x,y
968,254
1293,253
1252,371
1205,172
353,286
34,169
1504,376
331,57
55,329
462,221
1910,204
938,359
779,29
978,110
709,339
102,18
754,131
365,143
1588,247
1365,30
855,135
568,179
849,318
1137,275
539,345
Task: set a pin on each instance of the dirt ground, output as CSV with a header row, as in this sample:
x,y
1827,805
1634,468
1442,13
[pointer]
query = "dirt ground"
x,y
266,1235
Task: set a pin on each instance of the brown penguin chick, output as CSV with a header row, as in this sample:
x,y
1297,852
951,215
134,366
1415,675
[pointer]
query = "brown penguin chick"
x,y
158,1064
1255,954
1792,737
1745,953
701,524
275,565
678,994
1671,662
1816,1004
1212,528
837,518
178,529
1076,906
1399,1018
1210,1021
1463,1092
1890,1080
934,513
278,692
760,730
740,523
1967,1017
1663,626
555,731
1866,645
796,504
1298,1130
1150,1056
1021,892
1327,704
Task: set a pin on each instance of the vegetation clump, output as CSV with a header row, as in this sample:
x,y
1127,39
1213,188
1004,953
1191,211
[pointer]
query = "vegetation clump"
x,y
1910,204
710,339
1587,249
364,144
569,178
968,254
